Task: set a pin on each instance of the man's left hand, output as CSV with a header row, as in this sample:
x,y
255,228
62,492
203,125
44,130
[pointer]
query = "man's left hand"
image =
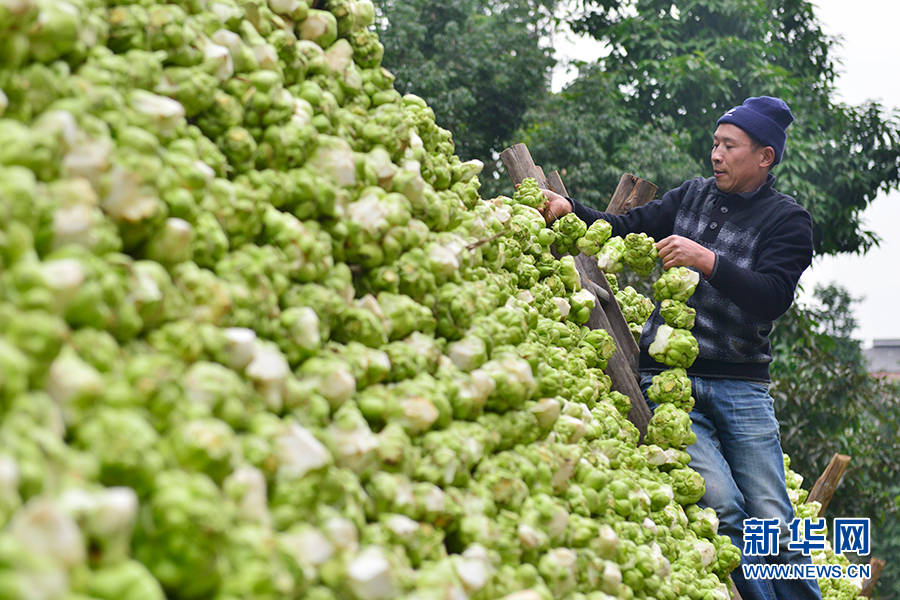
x,y
677,251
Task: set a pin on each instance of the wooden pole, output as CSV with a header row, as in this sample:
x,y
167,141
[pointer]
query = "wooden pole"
x,y
519,165
637,192
823,492
596,290
618,326
620,374
556,183
876,565
827,483
632,191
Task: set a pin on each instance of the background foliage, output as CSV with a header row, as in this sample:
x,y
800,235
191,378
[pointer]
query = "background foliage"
x,y
480,64
692,60
828,403
648,107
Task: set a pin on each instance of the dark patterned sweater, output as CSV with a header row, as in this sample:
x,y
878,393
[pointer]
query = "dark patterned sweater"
x,y
763,243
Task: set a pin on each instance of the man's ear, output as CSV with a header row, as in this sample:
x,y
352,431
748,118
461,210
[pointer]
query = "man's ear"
x,y
768,157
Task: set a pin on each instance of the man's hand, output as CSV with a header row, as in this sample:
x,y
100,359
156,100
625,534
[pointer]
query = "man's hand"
x,y
677,251
555,206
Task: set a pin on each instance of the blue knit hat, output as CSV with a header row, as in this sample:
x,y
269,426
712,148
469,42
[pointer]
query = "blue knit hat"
x,y
765,118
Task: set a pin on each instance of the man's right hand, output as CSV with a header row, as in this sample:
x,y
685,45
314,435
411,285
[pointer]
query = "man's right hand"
x,y
555,206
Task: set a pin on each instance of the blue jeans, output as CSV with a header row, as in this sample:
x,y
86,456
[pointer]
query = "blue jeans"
x,y
738,453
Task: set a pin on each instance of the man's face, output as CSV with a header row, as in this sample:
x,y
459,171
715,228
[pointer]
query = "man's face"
x,y
737,166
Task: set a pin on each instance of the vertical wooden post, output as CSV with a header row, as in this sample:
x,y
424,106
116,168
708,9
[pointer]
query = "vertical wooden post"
x,y
632,191
876,565
824,488
556,183
519,165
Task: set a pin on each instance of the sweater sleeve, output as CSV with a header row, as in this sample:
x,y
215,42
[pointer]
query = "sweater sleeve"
x,y
656,218
767,289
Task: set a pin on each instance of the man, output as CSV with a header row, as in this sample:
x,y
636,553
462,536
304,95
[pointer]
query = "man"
x,y
751,244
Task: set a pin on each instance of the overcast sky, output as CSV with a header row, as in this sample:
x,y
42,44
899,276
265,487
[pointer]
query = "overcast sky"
x,y
870,57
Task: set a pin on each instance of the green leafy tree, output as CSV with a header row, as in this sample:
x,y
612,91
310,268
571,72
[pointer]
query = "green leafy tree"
x,y
480,65
828,403
691,60
587,134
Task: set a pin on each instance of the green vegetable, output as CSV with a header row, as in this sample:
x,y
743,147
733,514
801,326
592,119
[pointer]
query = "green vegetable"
x,y
528,193
182,527
405,315
687,484
128,579
41,529
677,314
594,238
640,253
569,229
527,228
611,256
670,427
613,282
581,304
636,308
674,347
676,284
126,446
409,357
672,386
728,556
263,337
568,274
207,445
320,27
513,380
602,343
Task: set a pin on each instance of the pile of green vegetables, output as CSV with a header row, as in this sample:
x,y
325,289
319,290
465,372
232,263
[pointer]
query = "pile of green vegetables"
x,y
260,336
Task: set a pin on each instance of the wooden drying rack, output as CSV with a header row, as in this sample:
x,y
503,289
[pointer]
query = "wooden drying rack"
x,y
623,366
